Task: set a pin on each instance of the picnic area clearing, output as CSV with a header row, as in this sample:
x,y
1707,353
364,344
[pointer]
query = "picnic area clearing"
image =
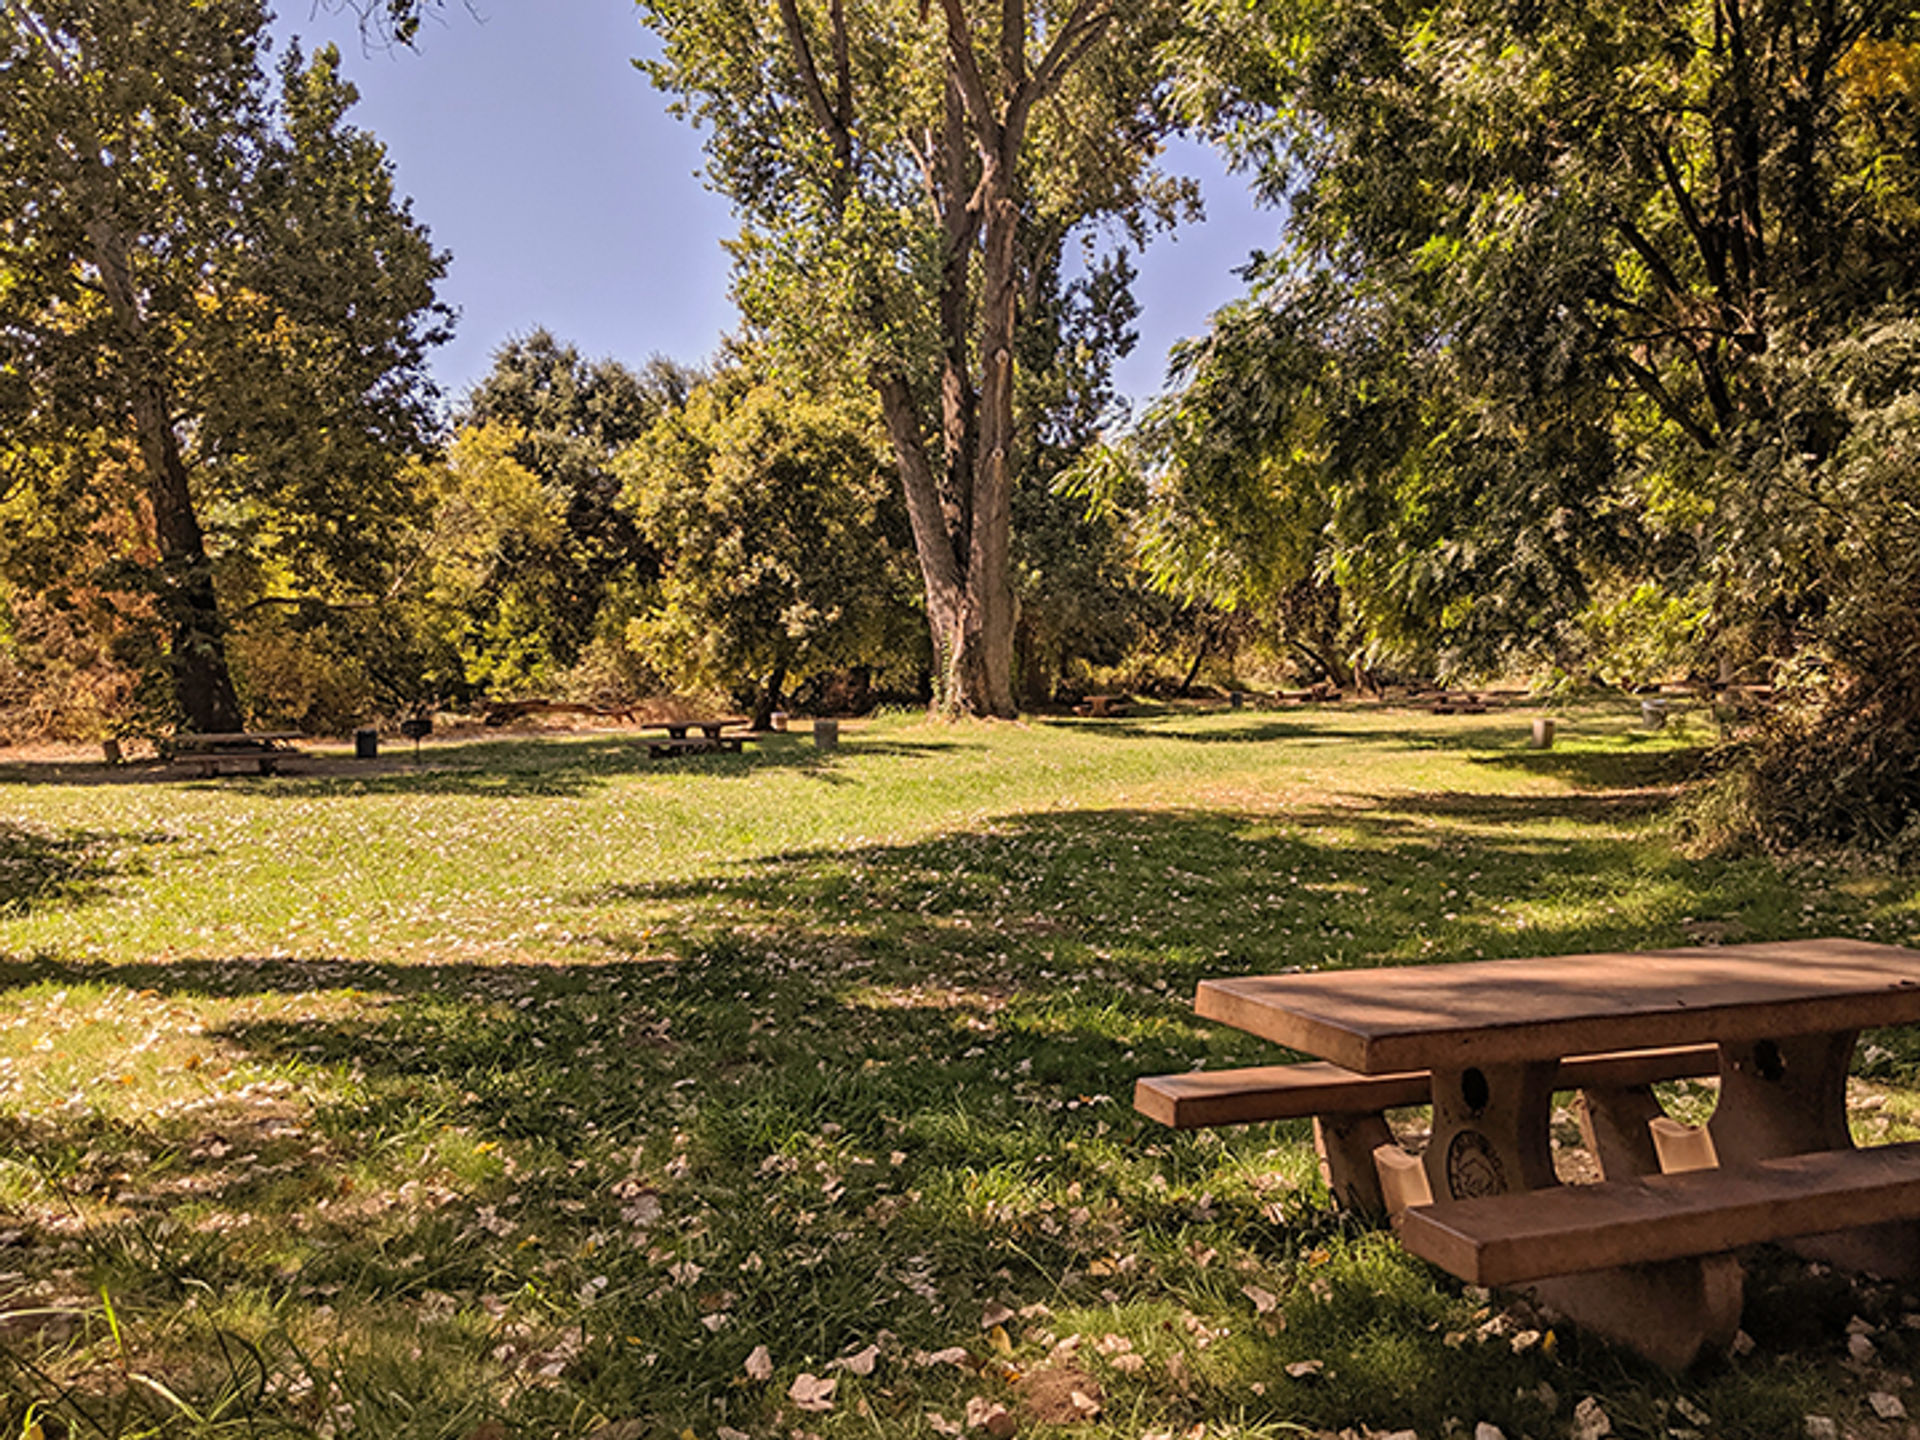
x,y
548,1084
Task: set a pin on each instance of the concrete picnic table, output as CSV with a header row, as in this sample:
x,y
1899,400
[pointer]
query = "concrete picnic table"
x,y
1645,1256
712,736
261,749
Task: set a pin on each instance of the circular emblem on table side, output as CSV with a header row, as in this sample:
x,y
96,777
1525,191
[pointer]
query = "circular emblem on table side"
x,y
1473,1169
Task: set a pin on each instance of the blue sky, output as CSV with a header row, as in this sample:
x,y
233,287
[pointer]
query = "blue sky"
x,y
570,199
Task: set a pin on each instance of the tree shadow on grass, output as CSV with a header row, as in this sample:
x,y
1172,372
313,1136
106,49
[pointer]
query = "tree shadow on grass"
x,y
1248,729
43,869
979,1002
1630,769
503,768
1185,894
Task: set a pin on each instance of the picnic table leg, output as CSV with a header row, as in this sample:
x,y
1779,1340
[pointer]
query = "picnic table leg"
x,y
1346,1144
1789,1097
1670,1312
1782,1097
1491,1135
1490,1130
1614,1124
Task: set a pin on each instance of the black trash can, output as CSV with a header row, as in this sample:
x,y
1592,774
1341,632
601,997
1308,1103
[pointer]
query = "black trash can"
x,y
366,744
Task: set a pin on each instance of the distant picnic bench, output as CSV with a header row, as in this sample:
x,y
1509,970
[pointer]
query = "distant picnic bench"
x,y
230,752
1102,707
1645,1256
679,739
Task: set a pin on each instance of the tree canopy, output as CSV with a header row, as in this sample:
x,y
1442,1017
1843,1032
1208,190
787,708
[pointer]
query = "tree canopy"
x,y
1571,303
214,318
785,552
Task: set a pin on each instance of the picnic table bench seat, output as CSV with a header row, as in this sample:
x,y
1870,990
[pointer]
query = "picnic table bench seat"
x,y
1202,1099
665,745
1348,1108
217,753
1570,1229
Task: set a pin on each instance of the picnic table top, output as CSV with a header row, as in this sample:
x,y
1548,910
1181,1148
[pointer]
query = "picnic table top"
x,y
196,740
719,723
1449,1017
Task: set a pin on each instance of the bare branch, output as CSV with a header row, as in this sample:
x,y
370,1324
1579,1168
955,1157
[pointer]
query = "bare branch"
x,y
1650,254
842,66
1648,383
966,72
825,114
1013,45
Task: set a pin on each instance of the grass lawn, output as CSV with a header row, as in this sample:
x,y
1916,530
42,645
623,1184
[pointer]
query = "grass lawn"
x,y
544,1089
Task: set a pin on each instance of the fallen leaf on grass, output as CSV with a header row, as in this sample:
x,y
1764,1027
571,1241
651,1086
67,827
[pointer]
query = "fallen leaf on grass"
x,y
1058,1395
941,1424
989,1415
760,1364
1307,1369
1590,1422
1263,1300
810,1392
861,1362
952,1355
995,1315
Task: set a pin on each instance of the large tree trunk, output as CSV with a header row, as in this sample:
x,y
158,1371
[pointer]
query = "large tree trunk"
x,y
196,636
768,697
989,632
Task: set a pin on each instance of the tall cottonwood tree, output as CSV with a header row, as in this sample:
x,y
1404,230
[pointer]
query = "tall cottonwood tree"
x,y
209,288
909,179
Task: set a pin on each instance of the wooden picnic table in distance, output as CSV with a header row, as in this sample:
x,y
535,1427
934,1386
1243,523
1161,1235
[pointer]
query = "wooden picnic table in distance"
x,y
215,753
681,741
1483,1199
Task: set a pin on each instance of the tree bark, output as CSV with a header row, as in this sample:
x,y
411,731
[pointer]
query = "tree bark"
x,y
196,634
767,697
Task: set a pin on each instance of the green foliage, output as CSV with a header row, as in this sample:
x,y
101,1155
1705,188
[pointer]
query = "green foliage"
x,y
1577,309
493,522
1831,555
213,328
1644,634
783,549
572,417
